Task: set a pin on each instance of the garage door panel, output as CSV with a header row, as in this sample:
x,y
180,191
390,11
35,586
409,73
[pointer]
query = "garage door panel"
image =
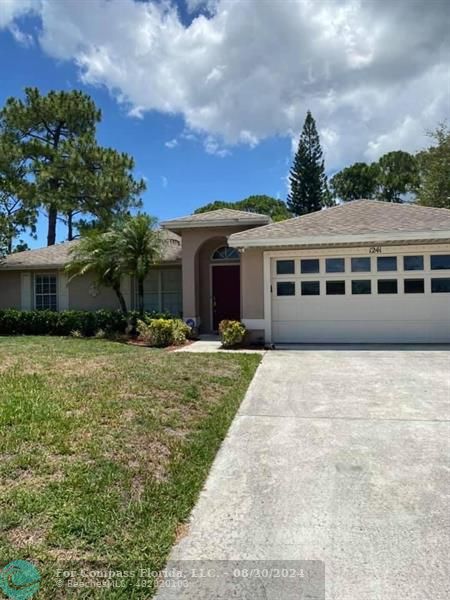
x,y
371,309
361,332
366,317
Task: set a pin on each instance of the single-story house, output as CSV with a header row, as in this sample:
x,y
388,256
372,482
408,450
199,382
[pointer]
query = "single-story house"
x,y
364,271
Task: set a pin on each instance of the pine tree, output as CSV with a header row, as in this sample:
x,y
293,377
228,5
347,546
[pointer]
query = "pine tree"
x,y
309,189
66,171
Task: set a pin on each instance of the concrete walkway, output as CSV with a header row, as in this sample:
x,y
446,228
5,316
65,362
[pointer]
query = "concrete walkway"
x,y
213,344
338,455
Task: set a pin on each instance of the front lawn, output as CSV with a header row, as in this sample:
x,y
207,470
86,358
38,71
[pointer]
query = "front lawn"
x,y
104,448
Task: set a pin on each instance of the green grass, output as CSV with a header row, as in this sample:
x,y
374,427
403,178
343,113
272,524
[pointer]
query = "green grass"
x,y
104,448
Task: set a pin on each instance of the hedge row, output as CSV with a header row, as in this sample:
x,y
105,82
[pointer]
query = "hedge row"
x,y
87,323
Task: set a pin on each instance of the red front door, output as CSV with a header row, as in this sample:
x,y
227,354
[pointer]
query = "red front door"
x,y
226,291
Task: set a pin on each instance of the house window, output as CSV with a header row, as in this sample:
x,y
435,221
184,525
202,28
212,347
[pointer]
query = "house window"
x,y
440,285
225,253
414,286
335,288
45,294
440,261
413,263
285,288
361,286
361,264
309,265
310,288
387,263
335,265
387,286
285,267
162,291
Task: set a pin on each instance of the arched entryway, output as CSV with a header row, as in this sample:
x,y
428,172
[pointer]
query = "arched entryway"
x,y
218,285
225,285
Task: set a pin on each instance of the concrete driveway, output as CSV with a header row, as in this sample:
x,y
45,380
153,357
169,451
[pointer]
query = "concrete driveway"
x,y
338,455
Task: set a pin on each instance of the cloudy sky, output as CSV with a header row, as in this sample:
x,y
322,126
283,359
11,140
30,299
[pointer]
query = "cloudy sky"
x,y
210,95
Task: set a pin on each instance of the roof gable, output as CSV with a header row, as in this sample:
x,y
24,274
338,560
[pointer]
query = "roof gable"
x,y
358,218
217,218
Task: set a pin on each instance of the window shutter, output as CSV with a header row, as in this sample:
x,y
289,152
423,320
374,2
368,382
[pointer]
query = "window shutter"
x,y
63,292
25,291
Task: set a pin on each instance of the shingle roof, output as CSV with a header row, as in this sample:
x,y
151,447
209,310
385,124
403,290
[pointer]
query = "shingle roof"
x,y
58,256
368,218
217,218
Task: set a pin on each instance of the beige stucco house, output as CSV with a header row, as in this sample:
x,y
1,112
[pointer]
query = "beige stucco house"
x,y
364,271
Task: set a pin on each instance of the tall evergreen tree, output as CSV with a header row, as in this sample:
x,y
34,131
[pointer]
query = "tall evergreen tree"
x,y
18,212
309,189
68,172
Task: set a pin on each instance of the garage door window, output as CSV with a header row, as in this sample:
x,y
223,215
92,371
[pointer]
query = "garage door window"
x,y
387,286
310,288
414,286
309,265
440,285
361,286
285,267
285,288
335,288
361,264
387,263
440,261
335,265
413,263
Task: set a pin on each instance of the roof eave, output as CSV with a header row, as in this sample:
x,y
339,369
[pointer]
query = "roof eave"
x,y
365,238
178,225
60,266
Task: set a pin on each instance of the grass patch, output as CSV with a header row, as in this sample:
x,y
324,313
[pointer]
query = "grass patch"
x,y
104,448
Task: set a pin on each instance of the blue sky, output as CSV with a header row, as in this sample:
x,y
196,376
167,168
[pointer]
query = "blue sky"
x,y
209,96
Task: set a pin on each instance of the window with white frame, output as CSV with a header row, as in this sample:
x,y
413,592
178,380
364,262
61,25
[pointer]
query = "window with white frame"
x,y
45,292
225,253
162,291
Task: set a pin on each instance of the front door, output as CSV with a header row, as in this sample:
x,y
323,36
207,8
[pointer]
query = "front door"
x,y
226,293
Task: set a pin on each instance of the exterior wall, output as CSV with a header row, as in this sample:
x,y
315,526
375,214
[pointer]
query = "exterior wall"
x,y
10,289
195,264
85,295
252,283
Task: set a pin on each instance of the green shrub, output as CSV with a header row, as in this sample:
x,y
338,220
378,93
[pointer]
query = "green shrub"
x,y
162,332
232,333
47,322
87,323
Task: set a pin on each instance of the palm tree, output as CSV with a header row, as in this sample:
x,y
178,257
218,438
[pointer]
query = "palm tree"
x,y
99,253
141,247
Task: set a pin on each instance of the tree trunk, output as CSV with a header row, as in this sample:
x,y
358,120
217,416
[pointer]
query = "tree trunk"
x,y
52,217
9,245
123,304
70,226
53,209
141,296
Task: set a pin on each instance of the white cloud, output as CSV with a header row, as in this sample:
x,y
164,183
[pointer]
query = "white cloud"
x,y
13,9
212,146
374,74
171,143
164,181
23,38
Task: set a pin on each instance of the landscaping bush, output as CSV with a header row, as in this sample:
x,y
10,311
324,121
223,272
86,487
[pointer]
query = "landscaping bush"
x,y
232,333
48,322
162,332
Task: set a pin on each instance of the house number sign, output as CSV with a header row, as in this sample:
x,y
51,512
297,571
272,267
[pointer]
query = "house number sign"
x,y
375,250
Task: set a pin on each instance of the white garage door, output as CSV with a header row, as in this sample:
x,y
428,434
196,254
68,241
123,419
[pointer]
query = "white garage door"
x,y
353,296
